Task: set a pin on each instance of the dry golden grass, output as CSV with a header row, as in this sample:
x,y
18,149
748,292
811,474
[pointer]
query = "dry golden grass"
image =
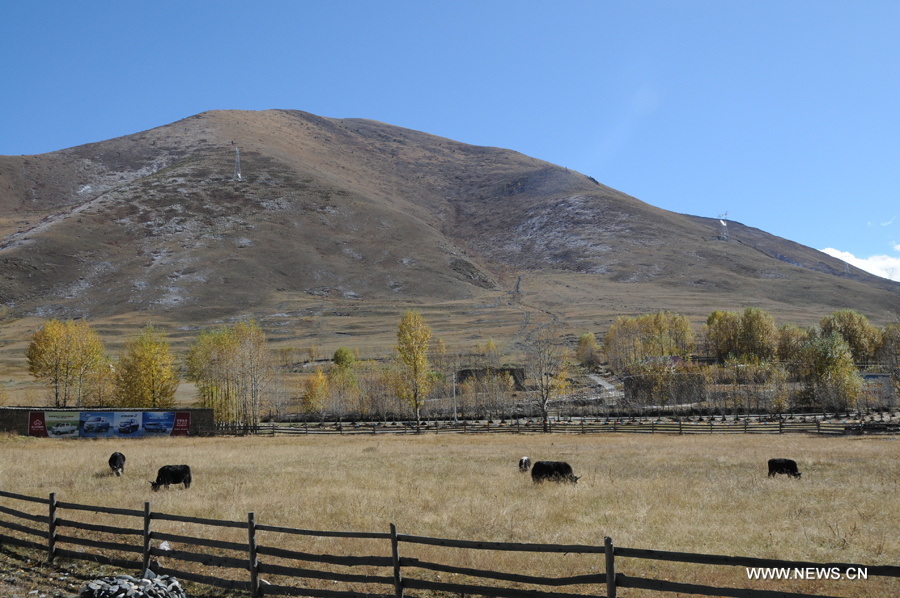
x,y
706,494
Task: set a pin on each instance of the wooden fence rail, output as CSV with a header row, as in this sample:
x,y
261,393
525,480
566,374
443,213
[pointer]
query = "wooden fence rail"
x,y
587,427
397,573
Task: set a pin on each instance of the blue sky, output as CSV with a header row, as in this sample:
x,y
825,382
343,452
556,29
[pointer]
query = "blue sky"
x,y
785,115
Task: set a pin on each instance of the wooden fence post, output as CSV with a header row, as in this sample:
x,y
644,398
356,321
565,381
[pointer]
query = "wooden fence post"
x,y
680,424
395,556
146,545
609,550
254,562
51,536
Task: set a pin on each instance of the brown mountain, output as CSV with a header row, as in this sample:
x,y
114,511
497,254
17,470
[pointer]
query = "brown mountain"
x,y
337,223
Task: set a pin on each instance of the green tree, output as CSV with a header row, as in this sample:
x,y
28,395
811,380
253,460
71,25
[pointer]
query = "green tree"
x,y
832,381
343,382
790,339
723,330
343,358
758,334
146,375
862,337
889,352
415,380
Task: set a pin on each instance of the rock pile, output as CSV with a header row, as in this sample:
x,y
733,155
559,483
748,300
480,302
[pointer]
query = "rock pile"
x,y
125,586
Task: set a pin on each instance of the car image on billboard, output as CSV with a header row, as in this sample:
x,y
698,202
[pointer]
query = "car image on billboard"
x,y
96,425
63,429
158,423
127,426
62,424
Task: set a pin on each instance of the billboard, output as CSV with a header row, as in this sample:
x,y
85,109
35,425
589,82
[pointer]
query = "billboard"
x,y
108,424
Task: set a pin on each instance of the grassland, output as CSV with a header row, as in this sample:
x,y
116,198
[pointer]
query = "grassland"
x,y
688,494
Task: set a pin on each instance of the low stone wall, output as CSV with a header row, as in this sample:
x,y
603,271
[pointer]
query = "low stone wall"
x,y
15,419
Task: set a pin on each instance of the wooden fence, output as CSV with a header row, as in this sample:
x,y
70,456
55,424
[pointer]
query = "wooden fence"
x,y
589,427
370,575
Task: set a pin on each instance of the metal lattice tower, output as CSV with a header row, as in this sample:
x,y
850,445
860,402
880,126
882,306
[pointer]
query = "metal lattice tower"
x,y
723,228
237,165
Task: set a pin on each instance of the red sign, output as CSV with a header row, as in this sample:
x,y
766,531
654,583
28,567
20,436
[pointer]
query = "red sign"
x,y
36,424
182,423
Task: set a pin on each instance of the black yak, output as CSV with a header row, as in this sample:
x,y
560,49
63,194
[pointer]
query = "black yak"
x,y
172,474
557,471
788,466
524,464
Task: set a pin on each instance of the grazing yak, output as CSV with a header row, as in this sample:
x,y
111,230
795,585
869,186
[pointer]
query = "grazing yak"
x,y
557,471
117,463
524,464
172,474
788,466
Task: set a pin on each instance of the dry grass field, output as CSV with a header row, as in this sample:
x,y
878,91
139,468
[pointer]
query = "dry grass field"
x,y
688,494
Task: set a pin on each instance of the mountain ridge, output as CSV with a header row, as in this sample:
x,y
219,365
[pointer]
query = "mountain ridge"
x,y
340,213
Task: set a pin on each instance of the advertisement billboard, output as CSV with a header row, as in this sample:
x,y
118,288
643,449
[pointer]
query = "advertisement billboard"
x,y
108,424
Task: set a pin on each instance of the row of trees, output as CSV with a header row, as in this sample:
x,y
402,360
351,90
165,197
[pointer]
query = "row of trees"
x,y
71,359
420,373
234,372
758,365
789,366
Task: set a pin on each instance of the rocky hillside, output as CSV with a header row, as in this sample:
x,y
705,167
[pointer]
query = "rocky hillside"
x,y
359,213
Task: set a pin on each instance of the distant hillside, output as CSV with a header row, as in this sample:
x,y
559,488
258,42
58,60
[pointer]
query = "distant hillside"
x,y
361,218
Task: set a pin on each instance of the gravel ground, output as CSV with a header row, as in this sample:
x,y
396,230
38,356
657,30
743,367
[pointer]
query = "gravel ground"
x,y
23,577
29,576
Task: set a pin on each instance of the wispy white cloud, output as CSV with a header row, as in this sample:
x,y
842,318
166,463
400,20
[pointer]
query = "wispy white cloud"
x,y
879,265
889,222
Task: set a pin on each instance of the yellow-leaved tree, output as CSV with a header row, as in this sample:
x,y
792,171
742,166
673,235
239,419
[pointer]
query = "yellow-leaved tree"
x,y
414,380
588,351
146,376
234,372
65,355
316,391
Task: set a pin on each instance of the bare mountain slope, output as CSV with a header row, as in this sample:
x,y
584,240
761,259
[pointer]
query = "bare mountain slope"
x,y
355,212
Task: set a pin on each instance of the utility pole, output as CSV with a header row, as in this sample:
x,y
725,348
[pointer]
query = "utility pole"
x,y
455,420
237,165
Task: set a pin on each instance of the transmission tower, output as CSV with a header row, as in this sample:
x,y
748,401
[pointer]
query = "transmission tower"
x,y
723,228
237,165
